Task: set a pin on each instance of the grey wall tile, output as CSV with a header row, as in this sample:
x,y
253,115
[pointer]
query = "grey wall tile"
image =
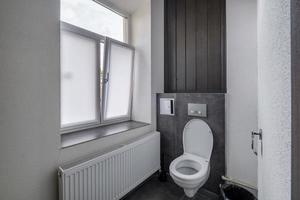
x,y
171,128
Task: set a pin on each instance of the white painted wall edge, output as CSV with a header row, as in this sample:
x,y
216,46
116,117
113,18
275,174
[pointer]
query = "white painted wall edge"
x,y
241,97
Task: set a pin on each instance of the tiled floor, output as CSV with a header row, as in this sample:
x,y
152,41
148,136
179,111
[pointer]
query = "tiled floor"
x,y
153,189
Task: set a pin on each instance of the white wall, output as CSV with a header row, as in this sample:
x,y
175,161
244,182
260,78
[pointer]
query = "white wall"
x,y
141,40
147,36
241,97
274,83
157,52
29,103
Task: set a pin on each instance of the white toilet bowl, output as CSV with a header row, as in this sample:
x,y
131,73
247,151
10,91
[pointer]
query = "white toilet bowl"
x,y
191,170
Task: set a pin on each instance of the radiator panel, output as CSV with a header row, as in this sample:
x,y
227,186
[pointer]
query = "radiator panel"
x,y
112,175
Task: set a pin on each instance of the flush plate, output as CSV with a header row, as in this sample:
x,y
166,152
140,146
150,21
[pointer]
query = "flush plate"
x,y
197,110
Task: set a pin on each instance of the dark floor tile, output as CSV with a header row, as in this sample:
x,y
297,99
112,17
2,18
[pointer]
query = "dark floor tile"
x,y
153,189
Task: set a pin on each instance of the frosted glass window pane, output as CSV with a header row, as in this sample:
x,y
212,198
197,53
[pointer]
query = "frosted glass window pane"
x,y
94,17
119,84
78,79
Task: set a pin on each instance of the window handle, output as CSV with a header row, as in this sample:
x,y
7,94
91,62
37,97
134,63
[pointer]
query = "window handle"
x,y
106,79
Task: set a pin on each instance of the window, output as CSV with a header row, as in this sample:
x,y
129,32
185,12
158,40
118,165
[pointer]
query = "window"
x,y
79,79
92,16
96,70
119,72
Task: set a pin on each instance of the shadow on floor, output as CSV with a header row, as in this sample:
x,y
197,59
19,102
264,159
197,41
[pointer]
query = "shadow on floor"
x,y
153,189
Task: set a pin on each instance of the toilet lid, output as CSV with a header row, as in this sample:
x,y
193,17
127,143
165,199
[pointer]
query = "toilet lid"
x,y
198,138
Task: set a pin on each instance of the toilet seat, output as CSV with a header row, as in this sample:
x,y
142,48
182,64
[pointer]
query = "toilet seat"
x,y
191,170
197,138
197,163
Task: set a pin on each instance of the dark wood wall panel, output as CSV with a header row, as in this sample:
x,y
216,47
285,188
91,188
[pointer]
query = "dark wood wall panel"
x,y
180,47
202,44
170,56
214,46
223,46
195,46
191,45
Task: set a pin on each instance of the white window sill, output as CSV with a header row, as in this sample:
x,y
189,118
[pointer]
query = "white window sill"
x,y
79,137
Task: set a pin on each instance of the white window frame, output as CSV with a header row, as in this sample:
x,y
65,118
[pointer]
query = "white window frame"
x,y
98,39
100,96
105,82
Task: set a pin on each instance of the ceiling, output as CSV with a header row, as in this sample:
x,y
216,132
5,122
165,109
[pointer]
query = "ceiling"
x,y
129,6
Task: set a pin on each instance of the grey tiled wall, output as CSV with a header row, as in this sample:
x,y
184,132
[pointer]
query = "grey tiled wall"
x,y
171,128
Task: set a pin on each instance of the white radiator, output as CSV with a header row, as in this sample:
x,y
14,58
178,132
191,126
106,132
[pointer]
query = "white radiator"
x,y
112,175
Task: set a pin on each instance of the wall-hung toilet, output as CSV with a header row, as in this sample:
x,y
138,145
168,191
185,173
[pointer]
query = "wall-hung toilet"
x,y
191,170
